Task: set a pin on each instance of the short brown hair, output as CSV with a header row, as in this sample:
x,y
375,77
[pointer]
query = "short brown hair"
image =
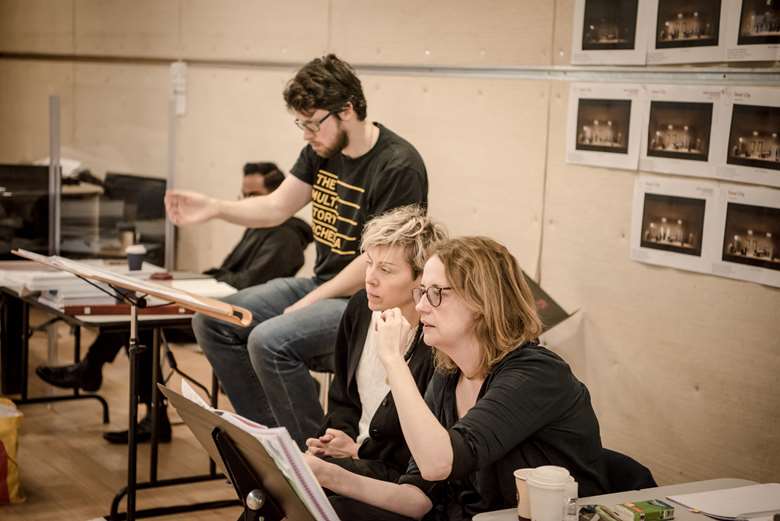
x,y
486,275
408,227
326,83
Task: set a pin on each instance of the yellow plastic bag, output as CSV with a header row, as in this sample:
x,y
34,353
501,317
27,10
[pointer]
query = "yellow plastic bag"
x,y
10,420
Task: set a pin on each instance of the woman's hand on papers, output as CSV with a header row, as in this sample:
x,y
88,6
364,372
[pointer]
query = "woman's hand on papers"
x,y
185,207
334,443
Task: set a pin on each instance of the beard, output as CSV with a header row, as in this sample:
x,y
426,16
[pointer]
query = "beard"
x,y
341,142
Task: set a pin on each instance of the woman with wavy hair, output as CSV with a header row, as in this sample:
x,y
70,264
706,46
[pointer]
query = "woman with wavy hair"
x,y
498,400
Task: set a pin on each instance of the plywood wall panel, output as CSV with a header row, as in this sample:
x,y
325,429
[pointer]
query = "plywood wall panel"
x,y
680,365
233,116
137,28
441,32
24,107
483,142
564,18
121,118
293,31
36,26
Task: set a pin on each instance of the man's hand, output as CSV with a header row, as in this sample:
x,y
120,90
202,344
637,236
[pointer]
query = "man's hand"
x,y
392,333
185,207
334,443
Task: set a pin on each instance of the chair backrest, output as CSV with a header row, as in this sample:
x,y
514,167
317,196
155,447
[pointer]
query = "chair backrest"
x,y
625,473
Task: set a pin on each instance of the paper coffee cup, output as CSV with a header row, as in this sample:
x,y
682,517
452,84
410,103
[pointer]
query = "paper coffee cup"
x,y
135,256
547,491
523,503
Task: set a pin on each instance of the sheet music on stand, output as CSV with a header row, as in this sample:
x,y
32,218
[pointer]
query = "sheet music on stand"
x,y
275,457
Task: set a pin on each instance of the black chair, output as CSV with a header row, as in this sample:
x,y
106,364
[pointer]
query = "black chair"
x,y
624,473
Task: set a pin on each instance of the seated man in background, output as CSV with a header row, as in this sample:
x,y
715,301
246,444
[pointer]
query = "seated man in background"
x,y
262,254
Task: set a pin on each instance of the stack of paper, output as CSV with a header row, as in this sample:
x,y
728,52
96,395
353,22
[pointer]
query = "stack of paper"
x,y
285,453
749,502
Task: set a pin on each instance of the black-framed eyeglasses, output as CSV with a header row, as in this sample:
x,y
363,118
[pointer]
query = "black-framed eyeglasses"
x,y
432,293
312,126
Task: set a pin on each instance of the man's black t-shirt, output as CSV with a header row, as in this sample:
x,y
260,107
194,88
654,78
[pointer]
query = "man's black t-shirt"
x,y
348,192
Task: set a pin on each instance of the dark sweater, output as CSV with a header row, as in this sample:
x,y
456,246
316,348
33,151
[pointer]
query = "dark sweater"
x,y
384,454
264,254
530,411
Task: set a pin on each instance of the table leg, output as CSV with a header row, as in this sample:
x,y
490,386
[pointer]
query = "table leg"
x,y
155,405
76,351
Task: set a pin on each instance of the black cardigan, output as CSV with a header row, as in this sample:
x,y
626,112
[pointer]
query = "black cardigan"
x,y
385,444
530,411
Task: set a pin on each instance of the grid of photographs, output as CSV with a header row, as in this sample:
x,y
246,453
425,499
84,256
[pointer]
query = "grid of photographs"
x,y
759,22
679,130
603,125
753,139
609,25
687,23
708,227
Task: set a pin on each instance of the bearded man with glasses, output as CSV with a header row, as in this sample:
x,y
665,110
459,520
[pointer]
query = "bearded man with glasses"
x,y
350,170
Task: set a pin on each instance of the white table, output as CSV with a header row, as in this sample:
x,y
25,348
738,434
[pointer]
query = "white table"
x,y
680,512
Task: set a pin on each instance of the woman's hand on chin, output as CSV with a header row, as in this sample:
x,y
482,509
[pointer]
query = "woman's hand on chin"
x,y
392,332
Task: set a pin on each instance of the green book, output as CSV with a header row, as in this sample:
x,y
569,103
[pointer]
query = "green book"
x,y
651,510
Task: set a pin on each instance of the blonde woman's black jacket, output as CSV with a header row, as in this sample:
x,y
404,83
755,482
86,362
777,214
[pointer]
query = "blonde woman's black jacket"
x,y
384,455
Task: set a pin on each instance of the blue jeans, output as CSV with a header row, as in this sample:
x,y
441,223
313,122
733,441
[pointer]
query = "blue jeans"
x,y
264,368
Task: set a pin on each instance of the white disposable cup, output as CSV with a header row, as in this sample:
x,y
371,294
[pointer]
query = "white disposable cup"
x,y
548,489
523,503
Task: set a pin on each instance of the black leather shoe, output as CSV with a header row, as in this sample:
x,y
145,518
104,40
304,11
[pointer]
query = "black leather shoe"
x,y
143,431
74,376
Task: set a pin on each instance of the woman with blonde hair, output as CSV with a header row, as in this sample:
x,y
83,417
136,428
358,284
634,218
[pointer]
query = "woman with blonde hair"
x,y
361,432
498,401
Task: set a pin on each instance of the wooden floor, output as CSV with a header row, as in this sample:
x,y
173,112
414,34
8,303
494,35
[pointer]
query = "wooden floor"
x,y
69,472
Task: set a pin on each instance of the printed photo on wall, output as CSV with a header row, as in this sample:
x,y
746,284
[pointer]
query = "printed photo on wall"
x,y
752,150
672,222
749,248
610,32
604,125
688,31
755,33
680,129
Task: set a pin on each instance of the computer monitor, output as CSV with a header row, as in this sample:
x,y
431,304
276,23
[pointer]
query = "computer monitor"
x,y
143,196
24,209
143,208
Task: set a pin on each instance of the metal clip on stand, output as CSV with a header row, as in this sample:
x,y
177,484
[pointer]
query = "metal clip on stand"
x,y
258,503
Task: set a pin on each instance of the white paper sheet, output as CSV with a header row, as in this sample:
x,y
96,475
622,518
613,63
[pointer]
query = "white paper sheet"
x,y
606,32
285,453
205,287
752,34
682,129
750,146
747,244
688,32
673,222
741,502
604,124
